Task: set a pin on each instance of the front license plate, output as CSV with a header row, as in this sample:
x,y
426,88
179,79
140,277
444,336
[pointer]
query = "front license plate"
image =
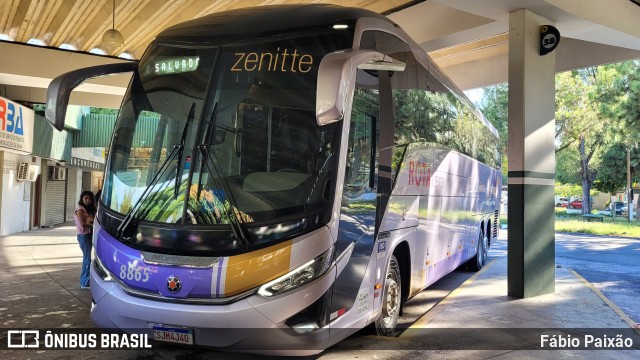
x,y
173,335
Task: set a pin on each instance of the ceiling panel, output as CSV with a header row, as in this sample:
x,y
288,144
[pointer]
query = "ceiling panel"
x,y
81,23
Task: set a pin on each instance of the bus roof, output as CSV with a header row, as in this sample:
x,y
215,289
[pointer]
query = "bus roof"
x,y
250,24
259,22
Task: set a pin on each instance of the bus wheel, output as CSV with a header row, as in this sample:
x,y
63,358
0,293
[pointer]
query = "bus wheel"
x,y
478,261
386,323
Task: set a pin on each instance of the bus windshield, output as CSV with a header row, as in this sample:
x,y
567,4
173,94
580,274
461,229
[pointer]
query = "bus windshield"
x,y
212,135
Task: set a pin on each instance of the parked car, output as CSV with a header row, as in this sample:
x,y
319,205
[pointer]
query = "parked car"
x,y
619,206
576,204
562,201
622,208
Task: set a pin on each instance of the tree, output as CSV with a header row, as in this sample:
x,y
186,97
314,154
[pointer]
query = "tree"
x,y
421,116
627,87
567,171
568,190
495,107
579,124
613,176
620,100
597,116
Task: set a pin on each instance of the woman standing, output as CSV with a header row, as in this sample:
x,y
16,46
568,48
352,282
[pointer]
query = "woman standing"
x,y
83,216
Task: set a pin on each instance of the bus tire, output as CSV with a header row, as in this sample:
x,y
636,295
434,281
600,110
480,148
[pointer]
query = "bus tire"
x,y
480,259
391,300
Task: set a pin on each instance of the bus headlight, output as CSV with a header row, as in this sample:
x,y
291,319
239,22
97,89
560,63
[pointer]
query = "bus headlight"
x,y
101,270
298,277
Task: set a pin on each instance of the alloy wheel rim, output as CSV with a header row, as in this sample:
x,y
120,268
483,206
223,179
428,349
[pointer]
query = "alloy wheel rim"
x,y
392,301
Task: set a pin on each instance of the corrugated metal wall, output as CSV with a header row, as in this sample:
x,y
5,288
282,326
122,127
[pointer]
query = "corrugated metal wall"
x,y
97,129
72,181
50,144
96,132
54,199
59,208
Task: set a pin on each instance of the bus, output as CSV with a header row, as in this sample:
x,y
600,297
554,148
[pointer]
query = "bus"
x,y
274,186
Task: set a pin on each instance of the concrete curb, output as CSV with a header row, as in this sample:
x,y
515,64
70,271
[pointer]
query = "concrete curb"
x,y
609,303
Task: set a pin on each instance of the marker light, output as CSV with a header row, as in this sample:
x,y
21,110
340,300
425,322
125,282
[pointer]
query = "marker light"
x,y
101,270
306,327
340,26
298,277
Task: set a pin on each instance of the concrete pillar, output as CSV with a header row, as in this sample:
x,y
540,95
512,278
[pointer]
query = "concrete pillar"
x,y
531,152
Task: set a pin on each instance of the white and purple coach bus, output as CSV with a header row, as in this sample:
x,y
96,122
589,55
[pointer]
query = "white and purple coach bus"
x,y
273,186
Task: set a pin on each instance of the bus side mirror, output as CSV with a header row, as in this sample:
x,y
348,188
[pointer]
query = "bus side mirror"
x,y
337,78
60,88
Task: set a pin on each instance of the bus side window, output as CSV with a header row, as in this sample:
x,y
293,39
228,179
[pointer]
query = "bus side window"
x,y
359,151
361,172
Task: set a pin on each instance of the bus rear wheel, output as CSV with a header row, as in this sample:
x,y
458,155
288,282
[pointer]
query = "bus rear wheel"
x,y
477,262
391,300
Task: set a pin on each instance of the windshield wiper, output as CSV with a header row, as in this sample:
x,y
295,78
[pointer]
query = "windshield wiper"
x,y
131,214
182,141
234,218
207,136
177,150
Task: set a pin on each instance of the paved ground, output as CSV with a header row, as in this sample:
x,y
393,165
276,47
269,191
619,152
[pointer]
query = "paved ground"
x,y
610,264
470,316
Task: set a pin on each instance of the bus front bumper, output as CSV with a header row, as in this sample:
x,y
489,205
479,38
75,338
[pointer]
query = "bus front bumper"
x,y
253,324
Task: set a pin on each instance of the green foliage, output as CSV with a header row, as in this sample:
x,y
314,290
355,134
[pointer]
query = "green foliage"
x,y
126,205
582,127
209,208
627,94
39,108
431,117
505,169
619,103
562,212
598,107
421,116
495,107
568,166
577,115
575,223
96,110
568,190
571,223
608,228
613,176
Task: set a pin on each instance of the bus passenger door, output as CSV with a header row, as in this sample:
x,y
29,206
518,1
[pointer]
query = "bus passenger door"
x,y
353,291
